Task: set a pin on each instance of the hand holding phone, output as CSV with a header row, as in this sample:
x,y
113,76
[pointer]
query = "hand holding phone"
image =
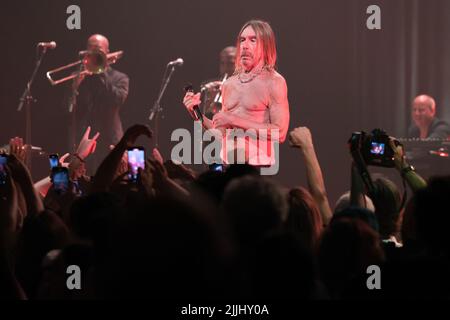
x,y
136,160
60,179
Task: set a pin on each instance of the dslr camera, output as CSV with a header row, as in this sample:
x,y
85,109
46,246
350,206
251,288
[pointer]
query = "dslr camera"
x,y
374,148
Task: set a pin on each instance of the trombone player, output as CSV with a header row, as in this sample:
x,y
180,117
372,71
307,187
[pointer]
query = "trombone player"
x,y
100,98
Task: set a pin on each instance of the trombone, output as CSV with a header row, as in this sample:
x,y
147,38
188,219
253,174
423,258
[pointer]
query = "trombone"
x,y
93,62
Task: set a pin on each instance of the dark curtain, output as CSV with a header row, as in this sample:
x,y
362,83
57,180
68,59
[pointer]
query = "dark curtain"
x,y
342,77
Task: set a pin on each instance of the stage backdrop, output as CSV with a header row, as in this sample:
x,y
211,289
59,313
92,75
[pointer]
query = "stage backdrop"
x,y
341,76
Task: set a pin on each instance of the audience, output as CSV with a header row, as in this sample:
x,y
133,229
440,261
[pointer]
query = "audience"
x,y
176,234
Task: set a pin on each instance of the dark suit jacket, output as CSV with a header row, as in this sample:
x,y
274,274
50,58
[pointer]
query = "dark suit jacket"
x,y
99,102
439,129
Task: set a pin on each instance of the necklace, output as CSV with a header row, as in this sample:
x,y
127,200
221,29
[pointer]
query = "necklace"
x,y
251,77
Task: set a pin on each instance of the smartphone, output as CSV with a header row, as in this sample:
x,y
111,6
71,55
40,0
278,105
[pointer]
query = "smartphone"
x,y
136,160
216,167
3,174
54,160
60,179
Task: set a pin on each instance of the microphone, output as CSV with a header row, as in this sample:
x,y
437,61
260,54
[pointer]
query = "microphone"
x,y
48,45
34,148
178,62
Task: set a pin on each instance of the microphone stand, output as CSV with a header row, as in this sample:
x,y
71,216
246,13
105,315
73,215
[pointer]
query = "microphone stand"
x,y
27,99
156,109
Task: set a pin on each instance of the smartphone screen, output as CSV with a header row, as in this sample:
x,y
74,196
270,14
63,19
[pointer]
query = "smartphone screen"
x,y
54,160
60,179
216,167
136,160
3,161
377,148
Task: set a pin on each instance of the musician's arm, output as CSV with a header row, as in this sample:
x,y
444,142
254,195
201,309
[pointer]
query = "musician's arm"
x,y
207,123
117,89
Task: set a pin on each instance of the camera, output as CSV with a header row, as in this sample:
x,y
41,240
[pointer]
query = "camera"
x,y
374,147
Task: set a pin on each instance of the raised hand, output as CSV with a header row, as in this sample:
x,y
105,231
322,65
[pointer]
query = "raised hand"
x,y
123,166
300,138
146,181
157,156
22,177
87,145
399,154
62,160
106,173
158,172
17,148
130,136
19,171
179,171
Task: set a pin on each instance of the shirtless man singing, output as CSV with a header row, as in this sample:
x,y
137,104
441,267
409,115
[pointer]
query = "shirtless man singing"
x,y
255,97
